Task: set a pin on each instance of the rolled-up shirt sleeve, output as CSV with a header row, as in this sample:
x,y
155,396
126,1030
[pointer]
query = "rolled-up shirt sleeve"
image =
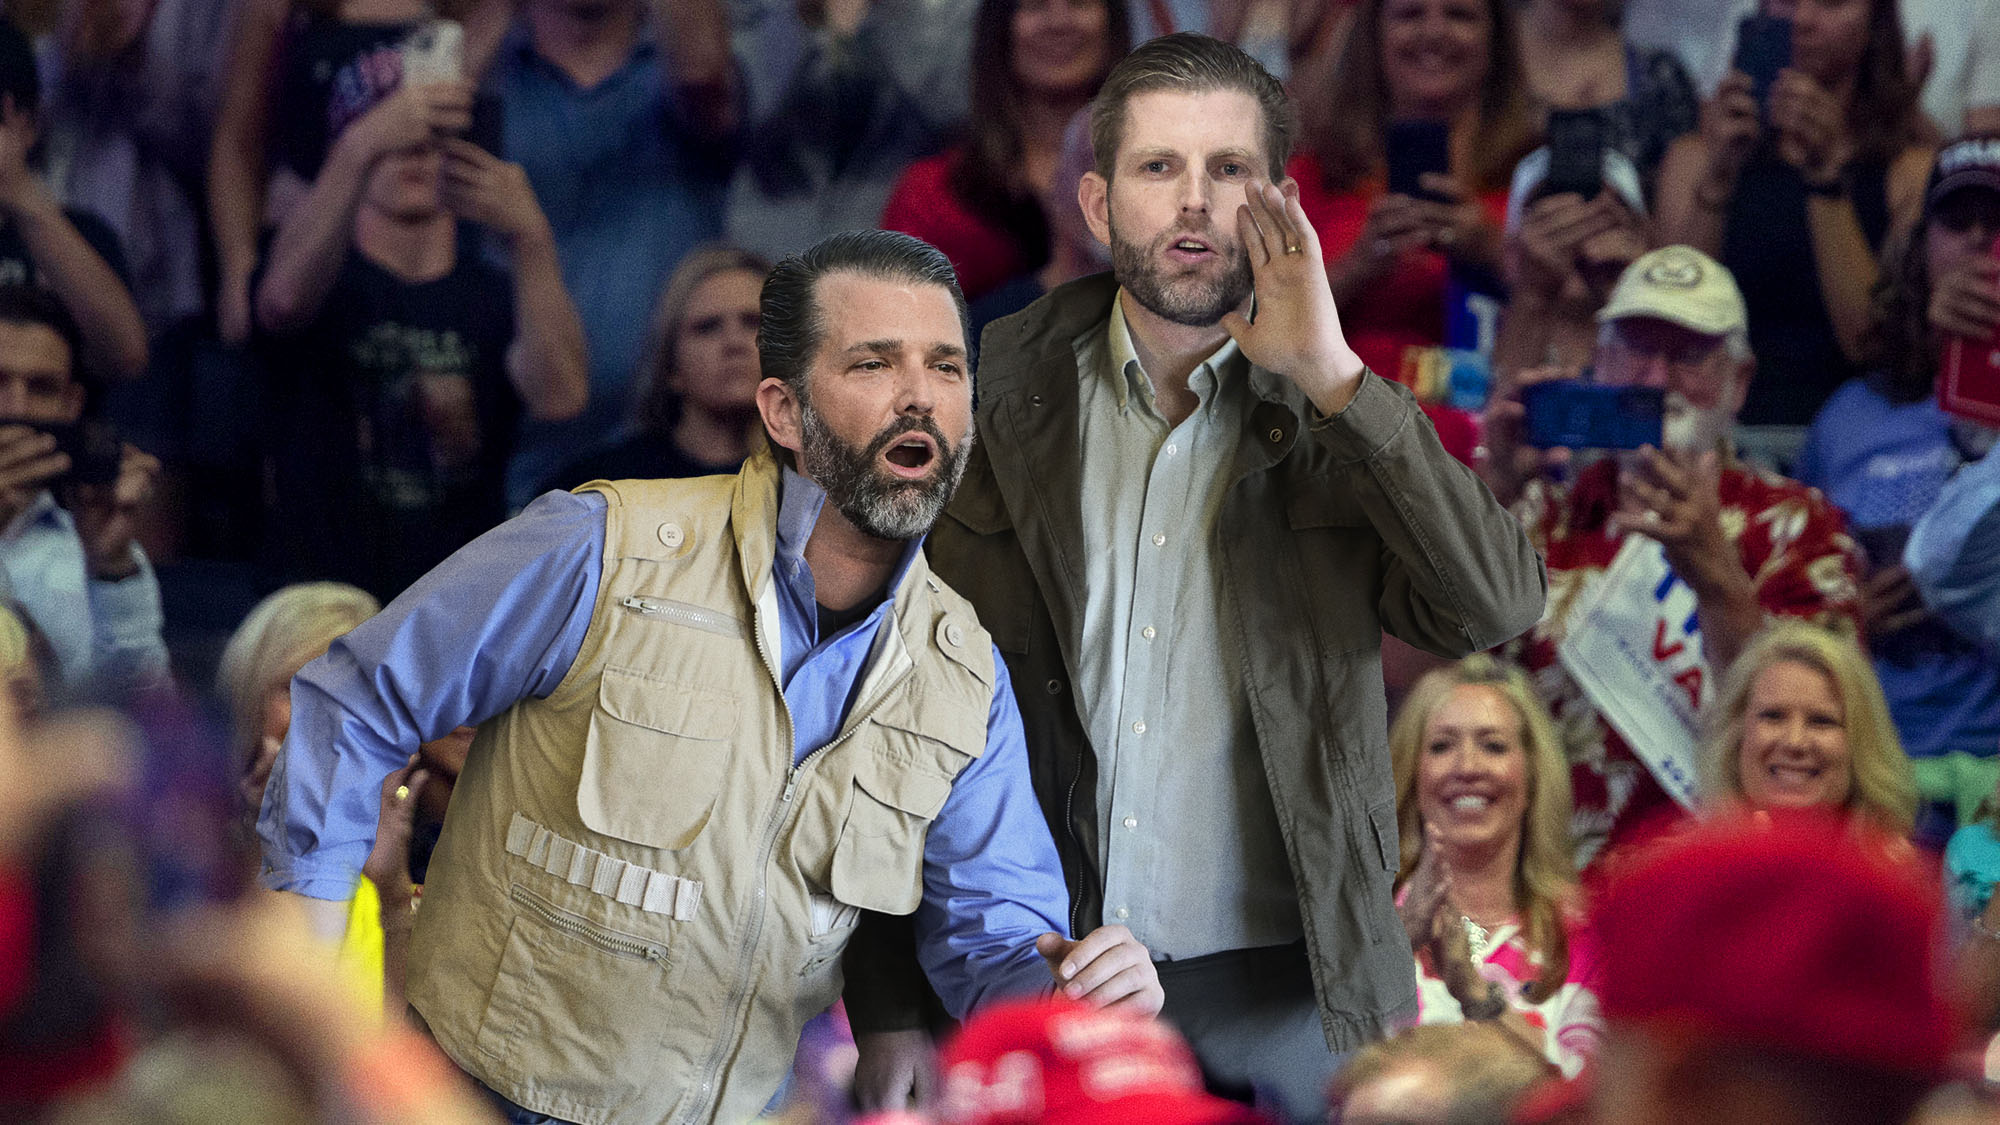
x,y
992,880
1954,552
499,621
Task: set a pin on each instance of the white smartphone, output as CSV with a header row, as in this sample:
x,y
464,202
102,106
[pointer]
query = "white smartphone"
x,y
434,52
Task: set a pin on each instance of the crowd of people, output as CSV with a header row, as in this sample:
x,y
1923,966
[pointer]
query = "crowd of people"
x,y
1000,561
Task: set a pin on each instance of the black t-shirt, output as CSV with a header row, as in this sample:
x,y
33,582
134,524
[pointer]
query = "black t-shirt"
x,y
388,424
329,72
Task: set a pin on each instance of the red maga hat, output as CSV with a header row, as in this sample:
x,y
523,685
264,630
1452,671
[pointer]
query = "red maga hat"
x,y
1799,932
1060,1062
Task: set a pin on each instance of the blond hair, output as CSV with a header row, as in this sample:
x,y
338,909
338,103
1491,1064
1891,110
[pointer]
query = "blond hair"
x,y
1545,872
277,638
1885,788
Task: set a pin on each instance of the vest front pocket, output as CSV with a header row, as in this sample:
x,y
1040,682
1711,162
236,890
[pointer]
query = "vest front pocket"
x,y
581,999
654,758
879,862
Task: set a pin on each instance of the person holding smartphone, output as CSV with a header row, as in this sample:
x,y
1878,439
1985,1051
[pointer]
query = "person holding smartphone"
x,y
1575,56
1883,448
1749,544
1399,213
400,359
1825,169
69,548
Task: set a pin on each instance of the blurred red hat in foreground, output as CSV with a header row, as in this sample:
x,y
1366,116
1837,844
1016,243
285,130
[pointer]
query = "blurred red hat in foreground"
x,y
1797,933
1060,1062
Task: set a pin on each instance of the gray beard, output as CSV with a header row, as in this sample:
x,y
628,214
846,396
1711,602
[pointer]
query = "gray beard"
x,y
1197,303
881,505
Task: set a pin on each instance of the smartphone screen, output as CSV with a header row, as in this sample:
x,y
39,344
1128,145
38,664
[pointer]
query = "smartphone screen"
x,y
1572,414
1412,148
1763,48
1576,153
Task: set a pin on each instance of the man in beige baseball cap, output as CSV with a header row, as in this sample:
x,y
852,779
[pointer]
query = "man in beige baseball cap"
x,y
1676,321
1746,543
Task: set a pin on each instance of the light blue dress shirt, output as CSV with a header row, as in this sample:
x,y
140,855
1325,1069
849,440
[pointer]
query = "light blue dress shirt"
x,y
504,618
105,635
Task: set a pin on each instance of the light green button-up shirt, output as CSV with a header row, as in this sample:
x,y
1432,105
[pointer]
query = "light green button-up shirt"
x,y
1194,862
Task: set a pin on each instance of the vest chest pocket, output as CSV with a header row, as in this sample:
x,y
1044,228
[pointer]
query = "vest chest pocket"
x,y
654,759
879,862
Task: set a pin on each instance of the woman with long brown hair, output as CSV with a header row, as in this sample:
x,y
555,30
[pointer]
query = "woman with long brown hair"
x,y
1035,63
1827,174
1882,448
1390,255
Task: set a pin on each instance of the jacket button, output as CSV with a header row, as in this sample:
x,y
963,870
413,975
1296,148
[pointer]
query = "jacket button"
x,y
1034,400
1053,687
671,535
1277,436
953,635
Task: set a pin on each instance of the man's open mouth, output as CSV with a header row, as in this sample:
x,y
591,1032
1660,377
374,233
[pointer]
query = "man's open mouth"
x,y
911,456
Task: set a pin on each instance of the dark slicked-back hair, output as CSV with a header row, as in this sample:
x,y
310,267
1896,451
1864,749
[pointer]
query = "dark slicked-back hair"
x,y
789,327
1188,63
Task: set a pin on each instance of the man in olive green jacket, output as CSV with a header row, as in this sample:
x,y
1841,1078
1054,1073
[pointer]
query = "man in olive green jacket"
x,y
1187,531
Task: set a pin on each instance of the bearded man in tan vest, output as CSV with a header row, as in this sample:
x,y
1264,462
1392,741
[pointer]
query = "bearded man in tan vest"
x,y
718,718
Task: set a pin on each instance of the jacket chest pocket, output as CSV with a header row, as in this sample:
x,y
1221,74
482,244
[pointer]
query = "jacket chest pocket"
x,y
878,862
654,759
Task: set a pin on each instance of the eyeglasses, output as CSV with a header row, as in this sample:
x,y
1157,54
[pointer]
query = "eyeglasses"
x,y
1685,354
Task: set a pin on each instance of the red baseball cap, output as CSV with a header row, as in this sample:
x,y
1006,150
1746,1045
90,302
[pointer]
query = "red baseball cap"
x,y
1800,933
1060,1062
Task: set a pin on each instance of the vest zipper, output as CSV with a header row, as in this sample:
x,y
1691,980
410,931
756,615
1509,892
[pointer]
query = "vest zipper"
x,y
685,614
740,993
577,927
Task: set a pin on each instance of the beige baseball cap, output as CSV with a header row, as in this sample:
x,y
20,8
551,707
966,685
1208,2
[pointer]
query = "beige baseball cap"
x,y
1681,285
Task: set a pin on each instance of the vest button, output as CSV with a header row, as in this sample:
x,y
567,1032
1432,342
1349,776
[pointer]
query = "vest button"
x,y
671,535
1053,687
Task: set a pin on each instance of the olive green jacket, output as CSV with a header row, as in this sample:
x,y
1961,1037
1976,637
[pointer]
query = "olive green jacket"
x,y
1334,531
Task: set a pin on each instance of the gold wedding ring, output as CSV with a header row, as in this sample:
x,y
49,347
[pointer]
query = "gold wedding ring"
x,y
1292,249
402,792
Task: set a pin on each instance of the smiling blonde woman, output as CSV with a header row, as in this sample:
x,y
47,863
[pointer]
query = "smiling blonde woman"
x,y
1802,723
1482,809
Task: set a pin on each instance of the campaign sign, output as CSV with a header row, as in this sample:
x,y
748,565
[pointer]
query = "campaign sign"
x,y
1634,646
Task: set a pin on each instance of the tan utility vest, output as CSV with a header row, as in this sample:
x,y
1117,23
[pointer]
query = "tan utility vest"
x,y
638,901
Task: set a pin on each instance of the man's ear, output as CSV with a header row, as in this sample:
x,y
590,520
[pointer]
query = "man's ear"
x,y
1093,195
779,406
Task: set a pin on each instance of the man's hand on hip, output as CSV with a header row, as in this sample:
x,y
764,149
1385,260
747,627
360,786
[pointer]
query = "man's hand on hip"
x,y
1108,968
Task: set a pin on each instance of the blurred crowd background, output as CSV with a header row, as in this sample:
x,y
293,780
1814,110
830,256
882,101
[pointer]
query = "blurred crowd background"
x,y
297,297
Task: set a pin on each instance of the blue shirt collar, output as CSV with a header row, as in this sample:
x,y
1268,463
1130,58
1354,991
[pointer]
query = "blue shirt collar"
x,y
799,502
